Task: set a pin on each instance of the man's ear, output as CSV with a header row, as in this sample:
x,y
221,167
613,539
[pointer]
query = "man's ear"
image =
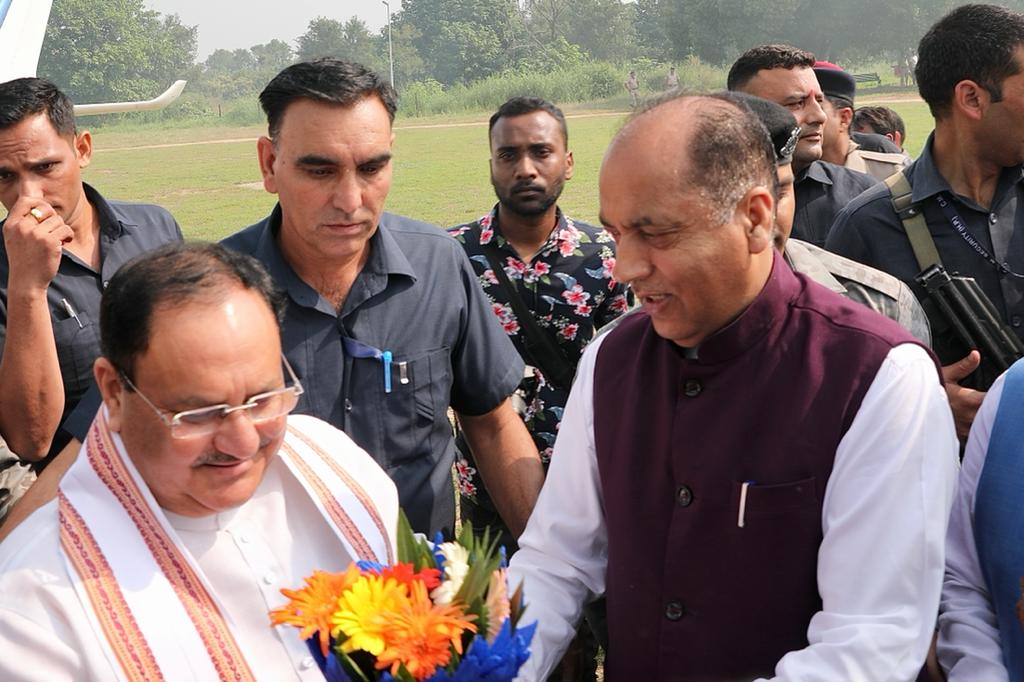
x,y
758,216
970,99
83,148
845,118
267,155
112,389
570,165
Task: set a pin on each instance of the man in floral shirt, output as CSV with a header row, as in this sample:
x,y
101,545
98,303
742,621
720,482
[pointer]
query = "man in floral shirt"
x,y
561,269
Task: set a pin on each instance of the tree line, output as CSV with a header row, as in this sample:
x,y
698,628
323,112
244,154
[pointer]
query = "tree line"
x,y
117,49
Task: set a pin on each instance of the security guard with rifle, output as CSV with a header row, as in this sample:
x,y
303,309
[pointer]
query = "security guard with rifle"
x,y
952,224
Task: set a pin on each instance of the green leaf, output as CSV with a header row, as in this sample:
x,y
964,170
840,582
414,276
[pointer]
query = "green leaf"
x,y
411,549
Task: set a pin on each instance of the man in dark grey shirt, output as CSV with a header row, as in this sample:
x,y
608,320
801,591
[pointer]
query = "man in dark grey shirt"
x,y
973,162
62,242
784,75
386,326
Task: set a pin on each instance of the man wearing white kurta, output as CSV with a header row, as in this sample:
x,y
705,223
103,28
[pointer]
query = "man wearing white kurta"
x,y
195,498
754,471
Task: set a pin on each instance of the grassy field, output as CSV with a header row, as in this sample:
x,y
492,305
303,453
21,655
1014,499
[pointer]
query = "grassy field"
x,y
208,177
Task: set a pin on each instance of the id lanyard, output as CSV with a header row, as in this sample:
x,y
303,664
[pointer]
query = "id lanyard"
x,y
961,227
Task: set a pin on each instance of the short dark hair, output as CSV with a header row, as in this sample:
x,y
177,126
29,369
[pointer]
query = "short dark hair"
x,y
728,151
839,102
24,97
881,120
518,106
327,79
173,274
973,42
764,57
778,122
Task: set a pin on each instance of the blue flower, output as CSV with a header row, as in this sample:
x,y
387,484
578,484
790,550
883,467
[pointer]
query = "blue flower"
x,y
329,665
371,566
436,549
498,662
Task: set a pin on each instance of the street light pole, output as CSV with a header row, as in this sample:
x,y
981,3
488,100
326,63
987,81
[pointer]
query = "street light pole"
x,y
391,55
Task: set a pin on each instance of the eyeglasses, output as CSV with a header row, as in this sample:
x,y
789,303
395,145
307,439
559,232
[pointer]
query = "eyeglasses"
x,y
203,421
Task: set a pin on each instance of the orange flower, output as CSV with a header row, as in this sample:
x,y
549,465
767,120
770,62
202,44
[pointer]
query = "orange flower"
x,y
420,635
312,606
431,577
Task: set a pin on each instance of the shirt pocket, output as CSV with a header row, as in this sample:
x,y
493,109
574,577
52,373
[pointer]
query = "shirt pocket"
x,y
78,345
416,416
778,501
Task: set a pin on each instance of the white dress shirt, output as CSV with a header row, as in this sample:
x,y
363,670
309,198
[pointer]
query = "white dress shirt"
x,y
968,647
884,520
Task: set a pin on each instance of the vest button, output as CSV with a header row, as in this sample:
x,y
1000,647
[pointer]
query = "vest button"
x,y
674,611
684,496
348,405
692,388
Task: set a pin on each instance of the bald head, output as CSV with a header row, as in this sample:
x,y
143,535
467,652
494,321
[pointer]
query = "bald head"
x,y
686,192
702,143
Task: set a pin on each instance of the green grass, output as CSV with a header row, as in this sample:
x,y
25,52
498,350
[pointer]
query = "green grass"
x,y
214,189
440,176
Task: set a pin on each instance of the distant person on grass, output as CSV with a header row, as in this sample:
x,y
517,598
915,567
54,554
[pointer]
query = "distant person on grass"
x,y
672,79
633,88
387,326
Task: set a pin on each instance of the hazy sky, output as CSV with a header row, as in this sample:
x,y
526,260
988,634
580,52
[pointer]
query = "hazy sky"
x,y
231,24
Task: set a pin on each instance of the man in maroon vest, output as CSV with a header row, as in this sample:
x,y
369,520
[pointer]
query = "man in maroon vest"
x,y
755,471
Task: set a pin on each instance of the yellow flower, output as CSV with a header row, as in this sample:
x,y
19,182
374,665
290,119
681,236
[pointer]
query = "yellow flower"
x,y
362,612
312,606
420,635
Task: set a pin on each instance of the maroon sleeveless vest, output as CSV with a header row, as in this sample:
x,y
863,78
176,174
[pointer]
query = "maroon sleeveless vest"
x,y
691,595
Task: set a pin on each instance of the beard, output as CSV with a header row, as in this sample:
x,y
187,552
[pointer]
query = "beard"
x,y
532,204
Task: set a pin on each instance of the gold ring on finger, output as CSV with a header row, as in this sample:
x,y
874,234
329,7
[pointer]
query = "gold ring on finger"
x,y
37,214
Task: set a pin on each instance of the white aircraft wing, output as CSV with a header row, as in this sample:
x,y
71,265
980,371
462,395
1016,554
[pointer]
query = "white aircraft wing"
x,y
22,27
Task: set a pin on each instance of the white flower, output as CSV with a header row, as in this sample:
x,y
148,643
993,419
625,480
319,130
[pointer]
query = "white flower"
x,y
456,566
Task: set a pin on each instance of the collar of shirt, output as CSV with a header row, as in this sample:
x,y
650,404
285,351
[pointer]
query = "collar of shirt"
x,y
767,312
111,227
815,172
563,233
927,181
386,259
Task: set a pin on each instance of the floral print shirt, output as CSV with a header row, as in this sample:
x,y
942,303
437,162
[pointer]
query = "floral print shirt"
x,y
569,288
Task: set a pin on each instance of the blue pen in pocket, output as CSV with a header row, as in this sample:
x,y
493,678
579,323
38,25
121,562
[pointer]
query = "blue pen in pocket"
x,y
358,349
385,357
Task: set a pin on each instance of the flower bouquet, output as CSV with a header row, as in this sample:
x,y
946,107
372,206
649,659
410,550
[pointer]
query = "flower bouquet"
x,y
442,614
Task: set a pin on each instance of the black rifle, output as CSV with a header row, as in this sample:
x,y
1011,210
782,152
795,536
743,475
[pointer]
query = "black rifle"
x,y
972,316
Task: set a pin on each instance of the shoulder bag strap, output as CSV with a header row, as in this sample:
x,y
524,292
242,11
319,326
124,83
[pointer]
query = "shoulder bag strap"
x,y
543,350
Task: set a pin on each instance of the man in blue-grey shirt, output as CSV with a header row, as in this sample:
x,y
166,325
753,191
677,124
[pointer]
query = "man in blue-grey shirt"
x,y
783,74
974,164
386,325
62,241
